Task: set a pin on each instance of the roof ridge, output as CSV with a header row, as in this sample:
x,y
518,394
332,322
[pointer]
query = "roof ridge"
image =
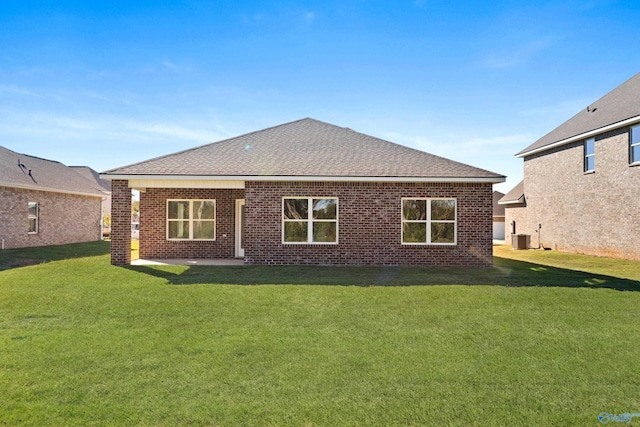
x,y
33,157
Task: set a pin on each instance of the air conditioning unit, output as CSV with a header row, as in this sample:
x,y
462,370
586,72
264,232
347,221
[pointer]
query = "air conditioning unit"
x,y
520,241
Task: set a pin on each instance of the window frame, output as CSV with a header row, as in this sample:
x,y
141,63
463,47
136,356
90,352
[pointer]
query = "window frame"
x,y
35,217
586,155
191,220
632,145
310,221
429,221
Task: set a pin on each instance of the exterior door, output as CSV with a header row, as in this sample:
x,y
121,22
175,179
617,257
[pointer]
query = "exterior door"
x,y
239,228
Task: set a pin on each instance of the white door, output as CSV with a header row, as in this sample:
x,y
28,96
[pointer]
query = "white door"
x,y
239,228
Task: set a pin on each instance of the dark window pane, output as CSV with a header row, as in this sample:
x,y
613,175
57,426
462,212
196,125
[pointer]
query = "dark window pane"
x,y
414,232
296,209
443,210
442,233
33,225
295,231
204,229
204,209
325,208
178,210
178,229
414,209
324,232
33,209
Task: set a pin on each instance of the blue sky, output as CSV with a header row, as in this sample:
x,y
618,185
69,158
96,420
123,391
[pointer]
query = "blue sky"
x,y
109,83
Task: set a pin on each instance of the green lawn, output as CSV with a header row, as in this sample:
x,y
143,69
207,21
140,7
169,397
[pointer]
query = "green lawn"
x,y
542,338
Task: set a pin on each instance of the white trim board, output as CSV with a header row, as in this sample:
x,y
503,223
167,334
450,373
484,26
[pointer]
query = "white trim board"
x,y
188,181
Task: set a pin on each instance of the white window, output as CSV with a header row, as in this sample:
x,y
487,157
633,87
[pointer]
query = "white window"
x,y
191,219
590,155
429,221
33,218
634,144
310,220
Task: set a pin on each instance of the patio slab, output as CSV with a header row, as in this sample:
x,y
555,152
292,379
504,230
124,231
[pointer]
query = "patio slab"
x,y
187,262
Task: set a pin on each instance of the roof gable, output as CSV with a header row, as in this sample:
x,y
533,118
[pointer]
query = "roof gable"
x,y
616,107
29,172
305,148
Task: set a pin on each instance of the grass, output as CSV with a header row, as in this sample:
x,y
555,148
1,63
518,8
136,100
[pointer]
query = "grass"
x,y
532,341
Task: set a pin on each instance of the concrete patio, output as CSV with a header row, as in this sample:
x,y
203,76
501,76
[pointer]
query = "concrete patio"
x,y
187,262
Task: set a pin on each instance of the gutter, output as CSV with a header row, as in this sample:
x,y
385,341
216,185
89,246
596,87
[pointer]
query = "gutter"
x,y
512,202
49,190
583,135
289,178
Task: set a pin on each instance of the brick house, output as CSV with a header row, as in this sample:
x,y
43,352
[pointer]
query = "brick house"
x,y
306,192
104,187
43,202
581,180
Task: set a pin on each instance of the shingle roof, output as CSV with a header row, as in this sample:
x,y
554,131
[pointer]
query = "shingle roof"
x,y
94,177
24,171
514,196
308,148
621,104
498,209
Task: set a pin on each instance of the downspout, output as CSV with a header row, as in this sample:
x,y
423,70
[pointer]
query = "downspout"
x,y
539,238
102,218
2,244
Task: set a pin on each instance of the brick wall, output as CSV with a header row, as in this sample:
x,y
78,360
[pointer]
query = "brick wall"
x,y
63,218
120,222
153,225
591,213
369,225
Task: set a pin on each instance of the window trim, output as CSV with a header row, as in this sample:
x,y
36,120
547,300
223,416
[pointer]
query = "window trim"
x,y
191,220
35,217
632,161
428,221
586,156
310,221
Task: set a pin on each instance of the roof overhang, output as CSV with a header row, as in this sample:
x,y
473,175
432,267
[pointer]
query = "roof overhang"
x,y
584,135
288,178
518,201
51,190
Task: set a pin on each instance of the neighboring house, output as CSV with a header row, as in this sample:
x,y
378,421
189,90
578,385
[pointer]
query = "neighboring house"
x,y
306,192
498,216
43,202
105,187
581,181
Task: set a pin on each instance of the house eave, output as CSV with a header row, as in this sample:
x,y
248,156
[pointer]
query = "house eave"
x,y
50,190
519,201
305,178
584,135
